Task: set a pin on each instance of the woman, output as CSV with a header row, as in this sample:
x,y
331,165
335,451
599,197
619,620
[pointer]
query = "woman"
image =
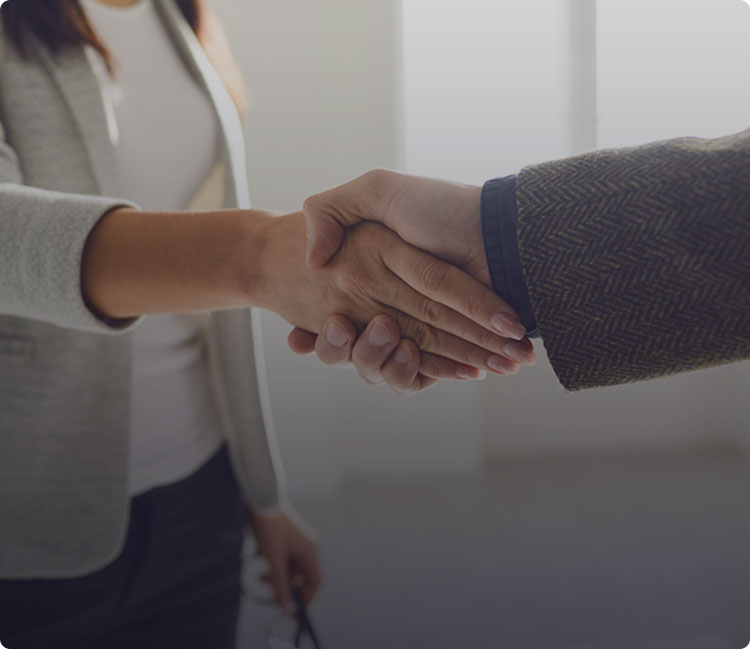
x,y
135,441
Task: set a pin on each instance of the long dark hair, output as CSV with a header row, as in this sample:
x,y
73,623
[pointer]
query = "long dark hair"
x,y
62,23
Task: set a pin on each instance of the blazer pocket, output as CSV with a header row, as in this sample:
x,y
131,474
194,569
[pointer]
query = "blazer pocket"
x,y
22,348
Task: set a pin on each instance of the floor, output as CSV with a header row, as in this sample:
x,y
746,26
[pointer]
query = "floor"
x,y
597,553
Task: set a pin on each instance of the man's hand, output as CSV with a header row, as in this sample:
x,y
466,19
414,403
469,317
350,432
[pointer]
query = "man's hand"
x,y
440,217
442,309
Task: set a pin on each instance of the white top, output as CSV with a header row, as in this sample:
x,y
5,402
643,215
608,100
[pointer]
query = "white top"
x,y
166,141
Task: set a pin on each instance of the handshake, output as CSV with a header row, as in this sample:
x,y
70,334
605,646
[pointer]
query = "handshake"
x,y
637,269
408,284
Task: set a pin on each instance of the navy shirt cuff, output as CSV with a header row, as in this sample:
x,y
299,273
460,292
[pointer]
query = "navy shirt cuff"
x,y
499,228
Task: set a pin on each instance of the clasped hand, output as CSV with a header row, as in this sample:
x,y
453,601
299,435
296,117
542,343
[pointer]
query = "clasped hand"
x,y
409,303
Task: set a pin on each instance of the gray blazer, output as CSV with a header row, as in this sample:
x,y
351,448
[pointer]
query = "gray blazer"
x,y
64,374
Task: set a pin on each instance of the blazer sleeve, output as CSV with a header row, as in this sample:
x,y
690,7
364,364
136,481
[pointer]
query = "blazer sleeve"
x,y
637,260
42,238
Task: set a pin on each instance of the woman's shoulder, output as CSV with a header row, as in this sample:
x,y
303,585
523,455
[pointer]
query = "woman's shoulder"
x,y
16,42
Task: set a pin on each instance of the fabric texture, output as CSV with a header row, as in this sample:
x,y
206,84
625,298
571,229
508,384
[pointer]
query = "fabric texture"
x,y
499,230
637,260
64,374
176,582
163,151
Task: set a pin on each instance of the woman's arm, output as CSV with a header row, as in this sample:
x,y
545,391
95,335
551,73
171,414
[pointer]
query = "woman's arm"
x,y
138,262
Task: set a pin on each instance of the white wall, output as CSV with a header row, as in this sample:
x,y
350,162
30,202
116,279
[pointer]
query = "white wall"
x,y
485,86
669,68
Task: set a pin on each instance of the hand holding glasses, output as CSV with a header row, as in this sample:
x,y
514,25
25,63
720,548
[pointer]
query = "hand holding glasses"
x,y
287,630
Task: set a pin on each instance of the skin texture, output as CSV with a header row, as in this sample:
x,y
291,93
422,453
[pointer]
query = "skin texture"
x,y
440,217
441,309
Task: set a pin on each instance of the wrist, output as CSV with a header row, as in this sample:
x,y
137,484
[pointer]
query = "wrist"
x,y
470,217
274,250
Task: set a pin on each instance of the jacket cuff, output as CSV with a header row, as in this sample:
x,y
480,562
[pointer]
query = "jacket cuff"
x,y
44,235
499,219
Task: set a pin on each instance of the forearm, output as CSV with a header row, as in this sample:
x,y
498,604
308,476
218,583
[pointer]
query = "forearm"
x,y
137,262
637,259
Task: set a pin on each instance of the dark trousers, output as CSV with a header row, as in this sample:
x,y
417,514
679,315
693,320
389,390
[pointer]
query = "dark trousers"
x,y
175,584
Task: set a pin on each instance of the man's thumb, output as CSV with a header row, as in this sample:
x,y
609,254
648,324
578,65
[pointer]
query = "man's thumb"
x,y
324,235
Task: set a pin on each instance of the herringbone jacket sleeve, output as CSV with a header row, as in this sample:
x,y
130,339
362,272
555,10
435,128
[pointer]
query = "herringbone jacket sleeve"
x,y
637,260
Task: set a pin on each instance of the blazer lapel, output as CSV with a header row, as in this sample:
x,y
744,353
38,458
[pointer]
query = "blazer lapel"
x,y
233,148
73,73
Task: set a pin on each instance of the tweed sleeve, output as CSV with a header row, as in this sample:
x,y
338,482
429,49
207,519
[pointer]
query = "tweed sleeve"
x,y
637,261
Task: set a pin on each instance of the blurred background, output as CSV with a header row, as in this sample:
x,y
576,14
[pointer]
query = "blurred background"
x,y
506,513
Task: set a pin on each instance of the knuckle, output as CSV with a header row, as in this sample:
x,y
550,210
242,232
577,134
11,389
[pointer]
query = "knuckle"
x,y
432,311
377,180
420,333
486,339
345,281
438,367
432,276
367,365
371,379
475,305
337,291
371,237
329,355
310,204
405,388
405,392
389,321
375,176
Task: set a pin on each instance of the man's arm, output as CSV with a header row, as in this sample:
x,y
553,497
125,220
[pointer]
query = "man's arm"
x,y
636,261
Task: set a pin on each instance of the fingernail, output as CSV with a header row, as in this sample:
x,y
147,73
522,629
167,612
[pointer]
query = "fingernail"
x,y
471,374
402,356
502,365
336,335
520,353
379,334
508,326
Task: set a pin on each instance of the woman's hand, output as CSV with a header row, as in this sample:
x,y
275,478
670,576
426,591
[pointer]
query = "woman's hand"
x,y
289,545
441,309
398,363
